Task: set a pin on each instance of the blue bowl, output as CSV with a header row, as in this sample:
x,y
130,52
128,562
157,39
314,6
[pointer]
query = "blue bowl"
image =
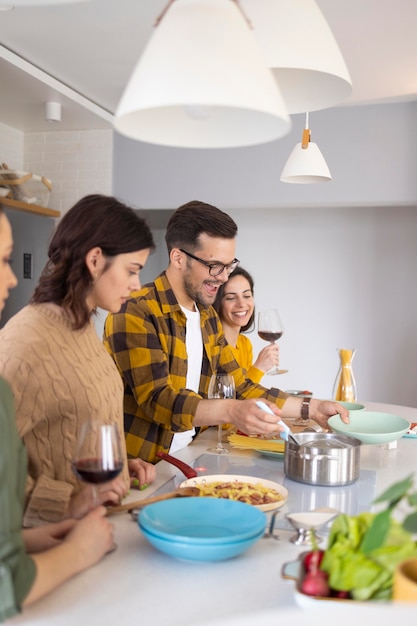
x,y
200,551
209,521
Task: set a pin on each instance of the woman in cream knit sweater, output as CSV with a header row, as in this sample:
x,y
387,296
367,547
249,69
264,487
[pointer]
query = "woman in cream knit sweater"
x,y
55,363
36,560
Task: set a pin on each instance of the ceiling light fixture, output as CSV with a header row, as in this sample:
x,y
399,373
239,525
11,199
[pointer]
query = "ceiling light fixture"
x,y
202,82
35,3
53,111
306,164
302,52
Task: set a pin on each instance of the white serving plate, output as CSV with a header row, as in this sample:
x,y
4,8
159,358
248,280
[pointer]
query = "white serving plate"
x,y
252,480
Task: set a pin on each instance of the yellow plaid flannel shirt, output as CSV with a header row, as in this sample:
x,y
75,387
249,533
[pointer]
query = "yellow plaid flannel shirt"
x,y
147,342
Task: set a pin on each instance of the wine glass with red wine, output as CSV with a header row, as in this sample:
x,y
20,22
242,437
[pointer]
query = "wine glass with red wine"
x,y
271,328
98,456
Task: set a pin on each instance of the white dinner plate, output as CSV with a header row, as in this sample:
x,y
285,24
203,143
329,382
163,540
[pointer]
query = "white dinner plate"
x,y
252,480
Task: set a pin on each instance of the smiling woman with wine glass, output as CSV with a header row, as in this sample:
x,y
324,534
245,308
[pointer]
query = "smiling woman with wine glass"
x,y
235,305
59,371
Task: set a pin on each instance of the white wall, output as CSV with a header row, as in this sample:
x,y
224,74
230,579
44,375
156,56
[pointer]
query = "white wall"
x,y
342,278
338,259
11,146
77,163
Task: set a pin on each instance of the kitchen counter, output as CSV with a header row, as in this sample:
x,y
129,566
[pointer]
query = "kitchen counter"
x,y
137,584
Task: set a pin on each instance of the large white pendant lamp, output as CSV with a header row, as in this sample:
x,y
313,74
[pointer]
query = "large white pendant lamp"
x,y
202,82
302,51
306,164
35,3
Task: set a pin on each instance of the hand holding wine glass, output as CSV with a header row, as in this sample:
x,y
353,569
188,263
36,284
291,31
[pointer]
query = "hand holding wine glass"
x,y
98,457
221,386
271,328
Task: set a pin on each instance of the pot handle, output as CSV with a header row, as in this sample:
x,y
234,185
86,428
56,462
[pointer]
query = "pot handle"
x,y
187,470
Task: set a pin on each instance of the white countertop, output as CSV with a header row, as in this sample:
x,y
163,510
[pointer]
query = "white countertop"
x,y
138,584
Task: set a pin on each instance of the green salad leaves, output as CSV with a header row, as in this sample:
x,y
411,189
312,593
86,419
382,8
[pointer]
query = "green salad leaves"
x,y
364,550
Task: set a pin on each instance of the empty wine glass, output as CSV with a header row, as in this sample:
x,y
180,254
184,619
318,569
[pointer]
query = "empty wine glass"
x,y
98,456
221,386
271,328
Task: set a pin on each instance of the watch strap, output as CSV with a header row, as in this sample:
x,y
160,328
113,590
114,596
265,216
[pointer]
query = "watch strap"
x,y
305,409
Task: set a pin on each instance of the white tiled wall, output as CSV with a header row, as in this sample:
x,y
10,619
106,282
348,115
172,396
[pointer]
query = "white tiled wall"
x,y
11,146
77,162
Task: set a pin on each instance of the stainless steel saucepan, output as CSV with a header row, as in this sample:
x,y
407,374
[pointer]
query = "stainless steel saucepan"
x,y
326,459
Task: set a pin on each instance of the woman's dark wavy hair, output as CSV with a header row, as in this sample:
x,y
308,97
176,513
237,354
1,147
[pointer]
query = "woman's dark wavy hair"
x,y
94,221
193,219
239,271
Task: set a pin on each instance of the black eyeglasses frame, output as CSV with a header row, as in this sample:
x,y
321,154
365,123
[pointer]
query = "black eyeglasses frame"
x,y
229,268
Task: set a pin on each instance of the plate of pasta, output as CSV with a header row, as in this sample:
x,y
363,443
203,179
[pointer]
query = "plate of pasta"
x,y
266,495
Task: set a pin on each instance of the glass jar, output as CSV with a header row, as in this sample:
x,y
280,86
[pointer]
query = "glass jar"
x,y
344,389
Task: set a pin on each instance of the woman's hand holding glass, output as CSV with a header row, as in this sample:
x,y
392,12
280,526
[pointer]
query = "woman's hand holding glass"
x,y
268,358
98,461
271,328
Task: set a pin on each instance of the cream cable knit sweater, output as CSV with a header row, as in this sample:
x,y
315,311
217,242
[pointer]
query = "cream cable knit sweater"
x,y
60,378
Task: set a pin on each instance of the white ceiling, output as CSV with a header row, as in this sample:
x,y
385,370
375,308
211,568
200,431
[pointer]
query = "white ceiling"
x,y
84,54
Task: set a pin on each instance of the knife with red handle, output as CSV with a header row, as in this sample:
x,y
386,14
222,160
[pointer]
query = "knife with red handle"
x,y
187,470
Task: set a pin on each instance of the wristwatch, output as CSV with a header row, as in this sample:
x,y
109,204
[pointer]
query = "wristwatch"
x,y
305,409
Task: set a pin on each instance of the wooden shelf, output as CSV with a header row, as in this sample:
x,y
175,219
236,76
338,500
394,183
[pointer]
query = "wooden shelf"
x,y
30,208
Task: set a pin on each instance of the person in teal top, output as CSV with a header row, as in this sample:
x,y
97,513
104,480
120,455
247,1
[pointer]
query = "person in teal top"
x,y
34,561
236,308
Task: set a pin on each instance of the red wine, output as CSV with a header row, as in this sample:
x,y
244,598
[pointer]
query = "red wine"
x,y
268,336
92,471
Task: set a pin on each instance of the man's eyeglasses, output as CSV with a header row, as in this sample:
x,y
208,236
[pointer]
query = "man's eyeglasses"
x,y
215,269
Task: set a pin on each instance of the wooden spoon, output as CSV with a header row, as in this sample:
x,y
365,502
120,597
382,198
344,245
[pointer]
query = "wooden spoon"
x,y
181,492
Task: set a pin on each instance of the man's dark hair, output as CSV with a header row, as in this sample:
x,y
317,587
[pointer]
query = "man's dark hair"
x,y
191,220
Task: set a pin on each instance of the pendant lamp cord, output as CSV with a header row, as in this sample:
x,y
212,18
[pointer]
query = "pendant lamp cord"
x,y
245,17
306,135
162,15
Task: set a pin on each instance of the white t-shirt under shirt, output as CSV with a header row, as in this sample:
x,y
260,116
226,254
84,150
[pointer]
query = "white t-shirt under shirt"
x,y
194,346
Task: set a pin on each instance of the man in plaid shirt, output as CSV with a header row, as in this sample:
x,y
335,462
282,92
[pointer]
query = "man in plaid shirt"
x,y
167,341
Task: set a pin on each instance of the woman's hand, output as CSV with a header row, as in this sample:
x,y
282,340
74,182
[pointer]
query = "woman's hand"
x,y
47,536
92,537
268,358
91,496
141,473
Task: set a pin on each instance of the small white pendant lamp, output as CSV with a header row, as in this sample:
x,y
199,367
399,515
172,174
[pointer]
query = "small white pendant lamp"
x,y
306,163
202,82
302,52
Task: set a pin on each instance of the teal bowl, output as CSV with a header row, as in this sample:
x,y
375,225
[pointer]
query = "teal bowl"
x,y
371,427
353,406
201,551
202,520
